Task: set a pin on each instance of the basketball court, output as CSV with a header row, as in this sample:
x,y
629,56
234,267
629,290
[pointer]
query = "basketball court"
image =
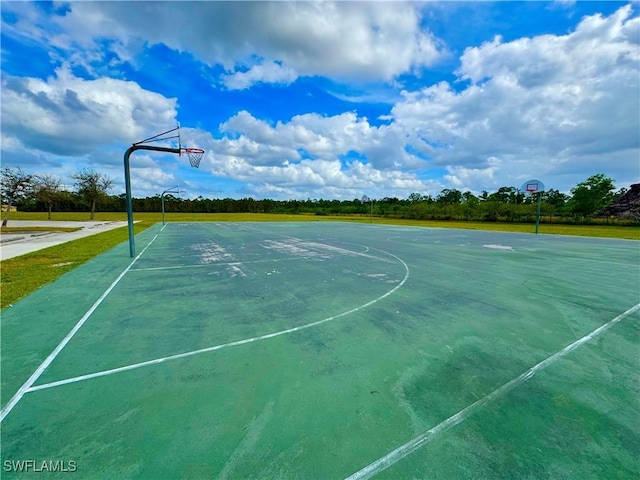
x,y
329,350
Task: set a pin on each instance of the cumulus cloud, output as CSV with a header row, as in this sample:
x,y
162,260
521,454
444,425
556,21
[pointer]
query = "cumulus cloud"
x,y
291,175
268,72
254,41
321,137
67,115
534,107
534,104
549,106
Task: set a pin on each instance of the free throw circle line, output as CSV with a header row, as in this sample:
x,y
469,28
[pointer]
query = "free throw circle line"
x,y
245,341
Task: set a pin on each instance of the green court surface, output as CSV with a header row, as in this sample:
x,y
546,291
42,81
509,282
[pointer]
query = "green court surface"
x,y
327,351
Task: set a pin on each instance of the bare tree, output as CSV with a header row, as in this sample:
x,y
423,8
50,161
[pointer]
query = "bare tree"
x,y
47,190
15,184
92,187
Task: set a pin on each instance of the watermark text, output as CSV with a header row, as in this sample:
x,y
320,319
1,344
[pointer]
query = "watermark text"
x,y
40,466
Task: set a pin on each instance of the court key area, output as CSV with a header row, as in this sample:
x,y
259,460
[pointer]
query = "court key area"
x,y
329,351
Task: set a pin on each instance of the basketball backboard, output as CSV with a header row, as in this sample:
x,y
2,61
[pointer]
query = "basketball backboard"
x,y
532,186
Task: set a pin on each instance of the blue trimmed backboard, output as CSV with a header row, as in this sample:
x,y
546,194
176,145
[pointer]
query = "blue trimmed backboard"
x,y
532,186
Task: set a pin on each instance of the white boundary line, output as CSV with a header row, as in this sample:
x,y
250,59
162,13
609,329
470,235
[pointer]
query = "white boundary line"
x,y
44,365
224,345
412,445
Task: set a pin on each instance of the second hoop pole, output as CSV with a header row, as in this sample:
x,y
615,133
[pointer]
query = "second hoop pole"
x,y
170,190
538,215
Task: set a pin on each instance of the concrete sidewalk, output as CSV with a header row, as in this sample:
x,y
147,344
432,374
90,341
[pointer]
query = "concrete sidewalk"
x,y
16,244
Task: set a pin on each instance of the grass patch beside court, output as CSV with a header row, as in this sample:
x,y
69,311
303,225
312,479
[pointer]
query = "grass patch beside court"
x,y
601,231
22,275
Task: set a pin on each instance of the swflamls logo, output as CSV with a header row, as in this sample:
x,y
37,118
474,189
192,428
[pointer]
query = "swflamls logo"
x,y
40,466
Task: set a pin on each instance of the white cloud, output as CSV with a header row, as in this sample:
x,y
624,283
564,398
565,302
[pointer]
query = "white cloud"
x,y
348,40
538,107
151,179
67,115
320,136
549,106
268,72
267,174
535,105
464,179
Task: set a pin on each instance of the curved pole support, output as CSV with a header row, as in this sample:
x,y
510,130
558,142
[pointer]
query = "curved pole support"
x,y
127,186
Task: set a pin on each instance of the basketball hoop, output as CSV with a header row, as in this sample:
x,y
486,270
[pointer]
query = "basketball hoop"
x,y
195,155
532,186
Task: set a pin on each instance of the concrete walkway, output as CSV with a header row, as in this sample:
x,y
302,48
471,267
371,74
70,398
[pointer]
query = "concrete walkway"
x,y
16,244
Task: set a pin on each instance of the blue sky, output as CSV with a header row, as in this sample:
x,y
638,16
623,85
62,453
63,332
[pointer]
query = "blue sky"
x,y
334,100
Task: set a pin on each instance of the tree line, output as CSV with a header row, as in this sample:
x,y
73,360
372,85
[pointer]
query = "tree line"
x,y
586,200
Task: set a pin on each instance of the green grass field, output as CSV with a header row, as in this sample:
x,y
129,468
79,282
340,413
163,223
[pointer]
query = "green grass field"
x,y
21,276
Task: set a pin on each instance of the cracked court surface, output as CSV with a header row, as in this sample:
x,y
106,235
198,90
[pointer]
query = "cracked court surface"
x,y
316,350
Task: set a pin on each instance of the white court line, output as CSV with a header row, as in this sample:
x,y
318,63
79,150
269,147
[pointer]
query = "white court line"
x,y
412,445
225,345
324,246
213,264
44,365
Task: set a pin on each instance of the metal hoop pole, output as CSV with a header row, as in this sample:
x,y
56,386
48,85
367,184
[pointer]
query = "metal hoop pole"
x,y
538,215
171,190
127,186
